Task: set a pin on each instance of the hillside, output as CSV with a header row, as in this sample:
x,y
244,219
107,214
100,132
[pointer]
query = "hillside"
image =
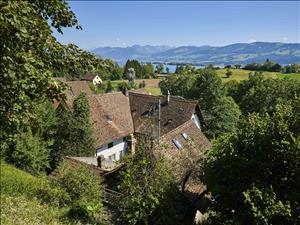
x,y
242,53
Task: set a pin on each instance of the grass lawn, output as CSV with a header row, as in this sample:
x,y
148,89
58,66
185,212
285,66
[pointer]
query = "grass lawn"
x,y
153,91
290,75
239,74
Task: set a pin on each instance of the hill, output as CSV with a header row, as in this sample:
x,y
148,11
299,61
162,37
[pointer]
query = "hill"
x,y
241,53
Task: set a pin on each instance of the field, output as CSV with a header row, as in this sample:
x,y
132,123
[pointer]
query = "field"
x,y
239,74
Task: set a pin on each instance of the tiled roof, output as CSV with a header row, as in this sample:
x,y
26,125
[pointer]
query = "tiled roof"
x,y
190,157
76,87
173,114
89,77
194,134
110,117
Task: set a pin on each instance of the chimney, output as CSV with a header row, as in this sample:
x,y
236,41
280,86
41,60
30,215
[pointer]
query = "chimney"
x,y
168,97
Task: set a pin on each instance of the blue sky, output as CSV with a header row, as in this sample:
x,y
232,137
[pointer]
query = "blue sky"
x,y
126,23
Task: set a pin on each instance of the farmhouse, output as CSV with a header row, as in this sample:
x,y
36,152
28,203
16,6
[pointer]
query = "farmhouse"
x,y
112,123
93,78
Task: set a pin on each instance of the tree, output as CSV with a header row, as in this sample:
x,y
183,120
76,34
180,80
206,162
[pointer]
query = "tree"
x,y
228,73
131,76
159,68
149,70
109,87
208,89
30,56
253,173
167,70
74,131
150,195
31,152
85,191
238,66
261,95
141,71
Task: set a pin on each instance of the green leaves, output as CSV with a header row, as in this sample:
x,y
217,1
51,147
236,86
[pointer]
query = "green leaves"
x,y
254,171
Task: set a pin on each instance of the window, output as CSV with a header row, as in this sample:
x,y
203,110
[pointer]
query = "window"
x,y
177,143
110,145
186,136
112,157
121,154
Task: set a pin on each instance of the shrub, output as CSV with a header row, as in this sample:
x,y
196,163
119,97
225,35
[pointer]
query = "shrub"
x,y
84,189
31,152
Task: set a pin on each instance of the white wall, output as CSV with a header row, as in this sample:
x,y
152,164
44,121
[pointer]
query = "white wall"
x,y
196,120
97,80
119,145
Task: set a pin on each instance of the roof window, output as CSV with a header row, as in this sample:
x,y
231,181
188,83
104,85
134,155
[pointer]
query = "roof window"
x,y
177,143
185,136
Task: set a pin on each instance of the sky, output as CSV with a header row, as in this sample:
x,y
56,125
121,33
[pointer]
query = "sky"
x,y
178,23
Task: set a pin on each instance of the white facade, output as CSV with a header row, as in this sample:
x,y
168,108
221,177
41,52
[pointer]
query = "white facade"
x,y
114,150
196,120
97,80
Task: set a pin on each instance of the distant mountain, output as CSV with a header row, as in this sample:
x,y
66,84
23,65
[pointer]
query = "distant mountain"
x,y
121,55
242,53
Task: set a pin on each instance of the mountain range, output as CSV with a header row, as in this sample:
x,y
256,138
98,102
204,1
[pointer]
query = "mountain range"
x,y
241,53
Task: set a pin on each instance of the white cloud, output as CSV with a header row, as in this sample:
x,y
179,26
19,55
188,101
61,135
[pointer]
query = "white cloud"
x,y
284,38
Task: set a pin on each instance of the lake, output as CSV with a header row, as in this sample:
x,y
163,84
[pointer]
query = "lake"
x,y
172,68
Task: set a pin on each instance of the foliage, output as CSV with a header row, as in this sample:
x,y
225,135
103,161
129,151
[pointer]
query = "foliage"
x,y
266,66
149,192
258,94
293,68
220,112
21,210
74,131
84,189
253,173
109,87
159,68
28,50
18,182
29,149
141,71
264,205
30,153
228,73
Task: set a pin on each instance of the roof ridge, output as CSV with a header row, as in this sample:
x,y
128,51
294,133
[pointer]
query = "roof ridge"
x,y
178,98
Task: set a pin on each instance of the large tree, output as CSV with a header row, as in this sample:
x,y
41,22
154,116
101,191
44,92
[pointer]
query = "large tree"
x,y
29,56
74,131
253,173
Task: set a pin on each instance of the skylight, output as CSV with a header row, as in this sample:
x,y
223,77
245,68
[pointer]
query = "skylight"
x,y
186,136
177,143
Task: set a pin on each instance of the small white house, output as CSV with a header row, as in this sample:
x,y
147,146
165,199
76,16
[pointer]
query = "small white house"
x,y
93,78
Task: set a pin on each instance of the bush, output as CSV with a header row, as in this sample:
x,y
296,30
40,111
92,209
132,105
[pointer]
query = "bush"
x,y
84,189
15,182
21,210
31,152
